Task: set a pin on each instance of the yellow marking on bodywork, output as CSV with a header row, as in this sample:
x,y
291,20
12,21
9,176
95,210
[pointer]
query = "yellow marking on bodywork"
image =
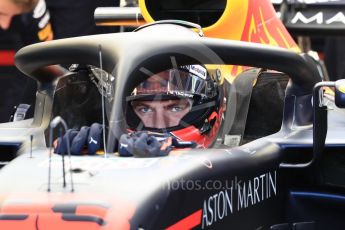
x,y
144,12
231,24
271,40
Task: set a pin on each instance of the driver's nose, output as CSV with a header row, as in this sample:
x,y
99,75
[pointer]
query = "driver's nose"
x,y
161,121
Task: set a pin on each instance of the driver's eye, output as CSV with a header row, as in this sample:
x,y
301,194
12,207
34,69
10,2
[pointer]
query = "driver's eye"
x,y
176,108
144,109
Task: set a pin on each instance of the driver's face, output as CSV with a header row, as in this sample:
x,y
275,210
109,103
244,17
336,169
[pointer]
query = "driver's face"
x,y
7,11
161,114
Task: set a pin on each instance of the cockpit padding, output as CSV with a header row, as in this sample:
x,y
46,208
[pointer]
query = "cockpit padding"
x,y
266,106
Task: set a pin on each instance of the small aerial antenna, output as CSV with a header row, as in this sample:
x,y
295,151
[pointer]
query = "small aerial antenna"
x,y
57,120
103,103
31,138
50,157
63,160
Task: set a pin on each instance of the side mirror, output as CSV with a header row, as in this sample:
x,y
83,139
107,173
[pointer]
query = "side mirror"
x,y
320,115
339,91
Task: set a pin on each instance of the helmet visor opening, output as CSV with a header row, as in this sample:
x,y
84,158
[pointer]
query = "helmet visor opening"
x,y
162,114
164,99
184,82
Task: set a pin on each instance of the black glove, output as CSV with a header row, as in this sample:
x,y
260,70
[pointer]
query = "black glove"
x,y
90,137
142,144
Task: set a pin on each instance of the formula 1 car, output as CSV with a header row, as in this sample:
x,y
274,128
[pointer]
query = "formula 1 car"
x,y
276,163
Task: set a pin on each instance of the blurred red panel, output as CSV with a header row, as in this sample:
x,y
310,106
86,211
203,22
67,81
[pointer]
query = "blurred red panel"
x,y
6,57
